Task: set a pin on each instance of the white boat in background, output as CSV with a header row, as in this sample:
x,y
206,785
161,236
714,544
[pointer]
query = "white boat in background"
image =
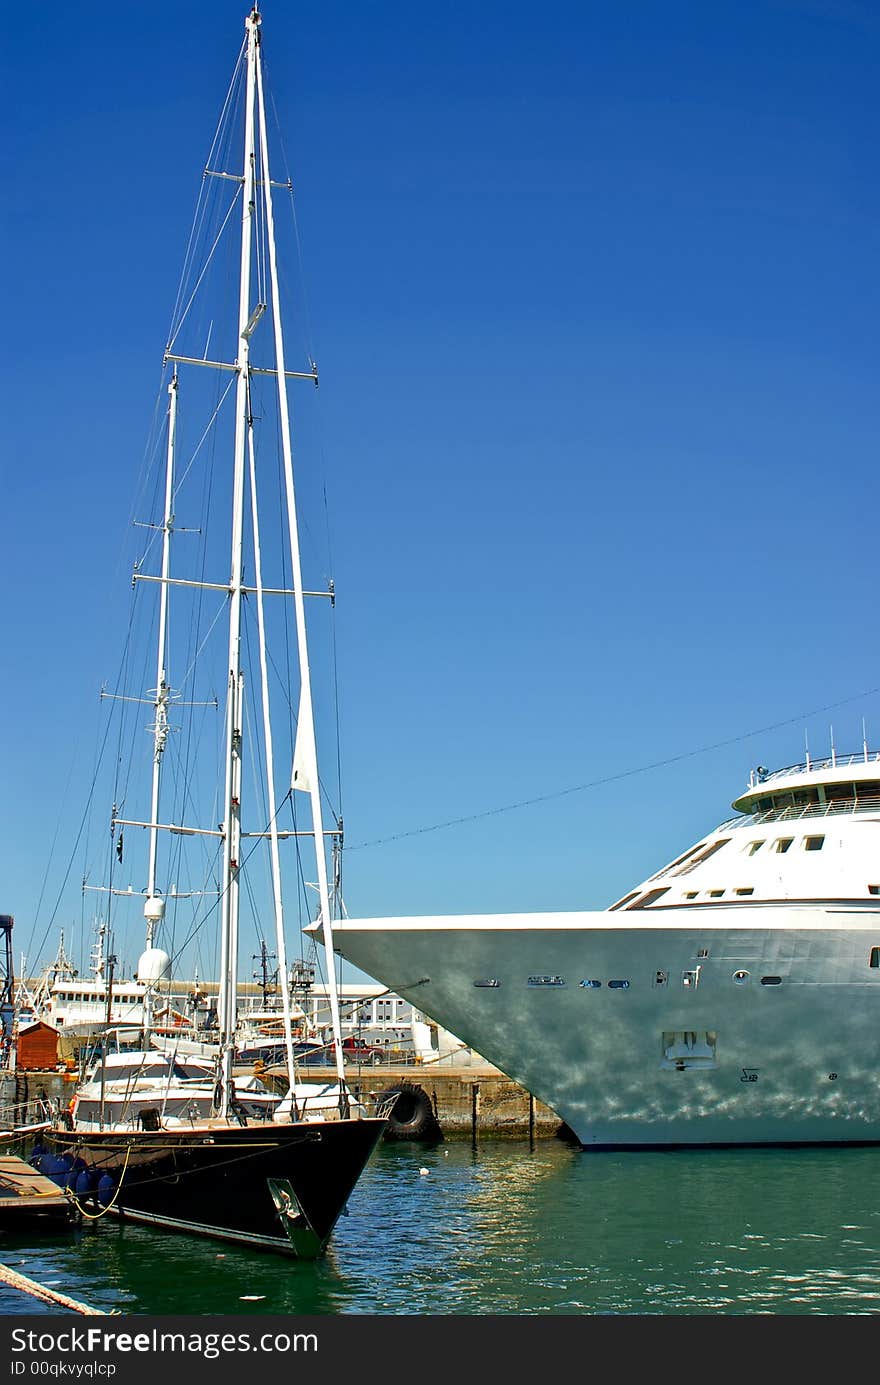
x,y
148,1090
82,1006
732,998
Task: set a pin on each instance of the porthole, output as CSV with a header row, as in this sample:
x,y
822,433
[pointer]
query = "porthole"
x,y
740,977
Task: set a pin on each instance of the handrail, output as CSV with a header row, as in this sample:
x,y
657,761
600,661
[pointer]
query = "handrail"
x,y
796,812
827,762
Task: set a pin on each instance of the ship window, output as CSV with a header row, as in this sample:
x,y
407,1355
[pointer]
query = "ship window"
x,y
874,889
840,793
661,978
626,899
782,843
490,982
802,797
546,981
754,846
771,980
703,856
618,985
702,952
679,860
715,894
745,889
591,985
650,898
740,977
691,894
814,843
875,957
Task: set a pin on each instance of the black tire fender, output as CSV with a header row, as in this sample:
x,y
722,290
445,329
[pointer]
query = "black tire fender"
x,y
410,1113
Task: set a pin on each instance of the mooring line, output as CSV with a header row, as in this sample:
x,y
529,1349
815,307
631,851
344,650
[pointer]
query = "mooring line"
x,y
30,1286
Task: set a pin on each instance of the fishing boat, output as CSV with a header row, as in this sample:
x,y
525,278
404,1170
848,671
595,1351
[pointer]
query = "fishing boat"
x,y
157,1137
731,998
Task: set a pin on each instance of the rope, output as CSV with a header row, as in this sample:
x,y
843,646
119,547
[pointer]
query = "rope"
x,y
96,1216
30,1286
611,778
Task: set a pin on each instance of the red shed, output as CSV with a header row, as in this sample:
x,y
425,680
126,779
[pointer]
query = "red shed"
x,y
37,1046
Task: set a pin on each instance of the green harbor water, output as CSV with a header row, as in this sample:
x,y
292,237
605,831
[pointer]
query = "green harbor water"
x,y
508,1229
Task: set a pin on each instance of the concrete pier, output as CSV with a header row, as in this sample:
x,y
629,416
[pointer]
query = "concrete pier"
x,y
467,1102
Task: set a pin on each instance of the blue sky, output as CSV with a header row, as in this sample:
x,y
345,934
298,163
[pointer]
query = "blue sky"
x,y
593,293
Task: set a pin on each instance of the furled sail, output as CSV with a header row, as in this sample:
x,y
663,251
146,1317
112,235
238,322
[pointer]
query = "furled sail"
x,y
304,750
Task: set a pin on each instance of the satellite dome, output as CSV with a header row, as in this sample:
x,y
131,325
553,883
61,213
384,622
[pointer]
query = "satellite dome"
x,y
153,965
154,908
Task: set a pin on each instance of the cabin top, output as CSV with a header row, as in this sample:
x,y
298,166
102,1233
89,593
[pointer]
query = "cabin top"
x,y
841,783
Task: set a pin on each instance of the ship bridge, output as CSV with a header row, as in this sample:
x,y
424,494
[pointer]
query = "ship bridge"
x,y
816,788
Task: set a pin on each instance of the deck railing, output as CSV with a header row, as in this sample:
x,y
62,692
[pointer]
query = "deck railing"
x,y
795,812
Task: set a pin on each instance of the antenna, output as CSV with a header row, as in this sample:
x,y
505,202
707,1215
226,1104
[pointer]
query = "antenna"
x,y
864,740
833,753
807,750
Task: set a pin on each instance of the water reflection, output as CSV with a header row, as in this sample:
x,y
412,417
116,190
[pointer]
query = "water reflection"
x,y
507,1229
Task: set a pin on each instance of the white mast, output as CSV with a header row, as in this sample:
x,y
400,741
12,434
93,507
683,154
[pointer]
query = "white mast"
x,y
235,687
270,776
305,756
154,909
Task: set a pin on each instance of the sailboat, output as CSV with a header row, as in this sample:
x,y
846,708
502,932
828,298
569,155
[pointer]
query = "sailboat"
x,y
174,1141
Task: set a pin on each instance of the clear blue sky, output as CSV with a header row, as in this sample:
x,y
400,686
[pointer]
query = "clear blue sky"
x,y
594,296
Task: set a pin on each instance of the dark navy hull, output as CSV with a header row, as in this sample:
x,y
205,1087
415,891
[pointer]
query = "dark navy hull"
x,y
276,1187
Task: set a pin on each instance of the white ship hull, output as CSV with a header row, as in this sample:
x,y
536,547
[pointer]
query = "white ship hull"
x,y
740,1025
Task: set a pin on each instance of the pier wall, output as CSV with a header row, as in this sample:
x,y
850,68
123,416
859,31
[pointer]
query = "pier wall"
x,y
467,1102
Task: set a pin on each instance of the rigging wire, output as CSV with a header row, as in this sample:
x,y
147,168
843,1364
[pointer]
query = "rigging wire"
x,y
205,266
611,778
202,201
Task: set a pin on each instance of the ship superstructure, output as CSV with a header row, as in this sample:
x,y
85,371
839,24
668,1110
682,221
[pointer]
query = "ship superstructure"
x,y
733,997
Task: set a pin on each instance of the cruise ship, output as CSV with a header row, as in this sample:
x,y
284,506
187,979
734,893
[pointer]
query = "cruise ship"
x,y
732,998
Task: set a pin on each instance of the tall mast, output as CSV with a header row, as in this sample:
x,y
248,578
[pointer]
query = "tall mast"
x,y
154,908
234,701
305,756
